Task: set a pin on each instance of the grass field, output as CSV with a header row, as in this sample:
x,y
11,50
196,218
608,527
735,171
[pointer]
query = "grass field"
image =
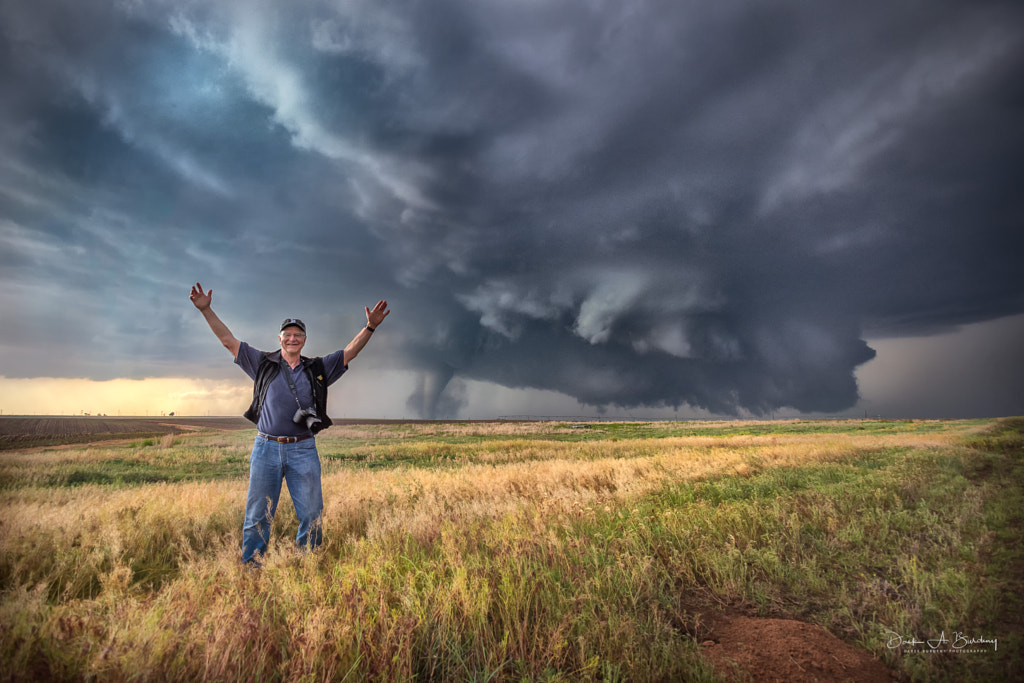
x,y
515,551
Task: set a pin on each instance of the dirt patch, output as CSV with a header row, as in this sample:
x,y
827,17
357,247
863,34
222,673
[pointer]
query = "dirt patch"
x,y
747,648
24,432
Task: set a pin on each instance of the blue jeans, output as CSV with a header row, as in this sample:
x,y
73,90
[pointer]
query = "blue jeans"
x,y
270,463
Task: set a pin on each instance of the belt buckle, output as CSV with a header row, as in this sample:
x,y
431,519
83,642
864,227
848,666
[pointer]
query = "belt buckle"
x,y
278,439
281,439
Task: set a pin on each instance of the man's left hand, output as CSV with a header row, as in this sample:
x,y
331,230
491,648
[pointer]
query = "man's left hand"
x,y
377,315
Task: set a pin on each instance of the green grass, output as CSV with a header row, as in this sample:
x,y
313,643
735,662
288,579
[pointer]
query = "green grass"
x,y
916,538
755,428
133,464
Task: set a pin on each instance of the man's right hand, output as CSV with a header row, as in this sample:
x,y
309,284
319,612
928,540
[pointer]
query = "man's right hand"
x,y
202,301
199,298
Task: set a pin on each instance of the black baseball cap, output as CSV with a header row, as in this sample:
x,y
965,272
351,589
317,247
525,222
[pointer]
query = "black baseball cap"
x,y
293,322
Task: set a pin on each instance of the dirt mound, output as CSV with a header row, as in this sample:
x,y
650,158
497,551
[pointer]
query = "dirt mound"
x,y
786,650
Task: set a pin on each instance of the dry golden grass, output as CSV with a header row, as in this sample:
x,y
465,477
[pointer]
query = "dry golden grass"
x,y
499,477
570,478
455,551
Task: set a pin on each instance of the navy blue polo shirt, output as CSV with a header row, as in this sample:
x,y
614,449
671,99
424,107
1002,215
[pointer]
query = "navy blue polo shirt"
x,y
279,406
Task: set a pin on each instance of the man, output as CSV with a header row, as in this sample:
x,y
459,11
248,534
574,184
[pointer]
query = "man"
x,y
289,406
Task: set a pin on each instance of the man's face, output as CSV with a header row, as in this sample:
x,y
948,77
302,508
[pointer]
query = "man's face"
x,y
292,339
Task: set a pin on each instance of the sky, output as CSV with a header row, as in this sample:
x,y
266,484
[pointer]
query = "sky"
x,y
573,208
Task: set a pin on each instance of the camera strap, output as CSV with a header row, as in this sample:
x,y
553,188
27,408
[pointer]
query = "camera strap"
x,y
287,370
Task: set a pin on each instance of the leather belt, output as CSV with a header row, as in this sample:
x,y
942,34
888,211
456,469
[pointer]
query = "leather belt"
x,y
284,439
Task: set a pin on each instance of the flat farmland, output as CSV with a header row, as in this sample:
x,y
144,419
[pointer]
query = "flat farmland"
x,y
27,431
791,550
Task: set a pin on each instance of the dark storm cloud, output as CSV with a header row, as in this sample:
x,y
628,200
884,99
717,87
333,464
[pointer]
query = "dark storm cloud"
x,y
646,205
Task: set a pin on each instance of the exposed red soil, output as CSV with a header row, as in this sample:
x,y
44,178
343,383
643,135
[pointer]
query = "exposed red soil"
x,y
747,648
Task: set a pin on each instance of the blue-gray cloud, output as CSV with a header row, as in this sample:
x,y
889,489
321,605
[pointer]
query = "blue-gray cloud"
x,y
643,205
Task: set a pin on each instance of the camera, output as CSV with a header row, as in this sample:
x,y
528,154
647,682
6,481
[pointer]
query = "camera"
x,y
307,416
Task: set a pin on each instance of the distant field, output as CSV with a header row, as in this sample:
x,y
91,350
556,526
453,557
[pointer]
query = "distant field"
x,y
29,431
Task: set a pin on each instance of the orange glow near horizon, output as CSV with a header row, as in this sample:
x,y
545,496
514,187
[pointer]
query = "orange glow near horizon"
x,y
152,396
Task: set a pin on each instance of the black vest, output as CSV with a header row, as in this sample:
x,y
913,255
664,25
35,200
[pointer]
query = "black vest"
x,y
270,367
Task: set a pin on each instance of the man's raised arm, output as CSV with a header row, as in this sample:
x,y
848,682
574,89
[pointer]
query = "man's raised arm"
x,y
373,319
202,301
